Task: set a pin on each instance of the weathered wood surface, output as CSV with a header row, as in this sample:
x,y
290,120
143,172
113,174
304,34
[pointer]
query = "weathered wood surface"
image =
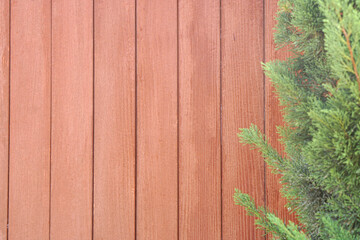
x,y
119,119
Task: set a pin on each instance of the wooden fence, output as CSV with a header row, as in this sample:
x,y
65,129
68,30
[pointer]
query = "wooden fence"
x,y
119,118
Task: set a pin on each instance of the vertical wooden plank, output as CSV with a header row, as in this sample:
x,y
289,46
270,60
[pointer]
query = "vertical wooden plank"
x,y
4,115
72,119
30,120
242,104
114,144
199,130
274,201
157,204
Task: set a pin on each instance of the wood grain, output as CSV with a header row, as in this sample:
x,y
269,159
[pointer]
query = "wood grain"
x,y
242,104
150,92
275,203
4,114
72,120
30,120
114,145
157,204
199,104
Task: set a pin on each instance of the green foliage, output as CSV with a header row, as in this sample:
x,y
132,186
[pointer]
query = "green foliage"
x,y
319,90
334,231
268,221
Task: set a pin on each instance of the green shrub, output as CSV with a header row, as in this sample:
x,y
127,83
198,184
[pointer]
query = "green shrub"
x,y
319,90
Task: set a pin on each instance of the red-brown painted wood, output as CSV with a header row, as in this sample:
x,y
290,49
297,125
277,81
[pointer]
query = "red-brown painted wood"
x,y
199,105
72,120
242,104
4,114
30,120
157,166
114,145
198,77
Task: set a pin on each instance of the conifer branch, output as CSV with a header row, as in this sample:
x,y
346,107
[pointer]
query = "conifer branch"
x,y
347,37
321,136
